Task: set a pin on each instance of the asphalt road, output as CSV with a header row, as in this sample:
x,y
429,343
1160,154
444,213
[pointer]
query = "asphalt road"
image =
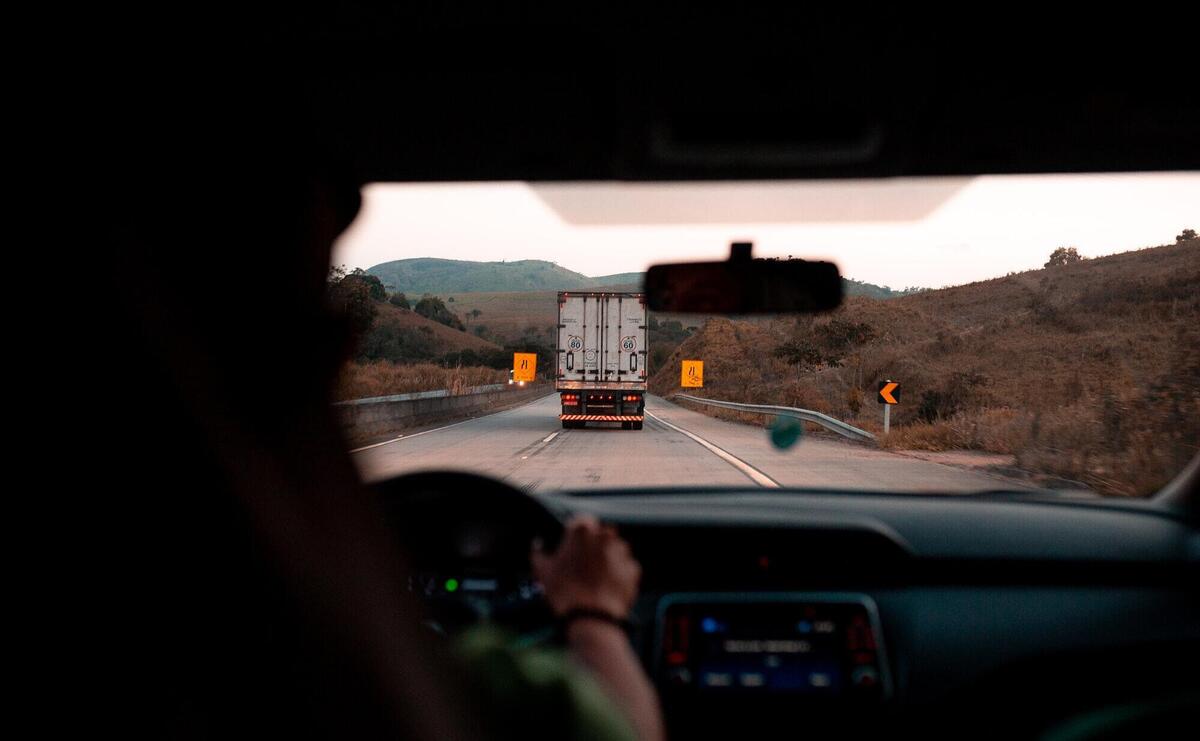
x,y
527,447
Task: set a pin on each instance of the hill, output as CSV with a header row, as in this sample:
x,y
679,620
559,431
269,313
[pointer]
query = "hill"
x,y
505,315
401,335
1089,371
421,275
437,276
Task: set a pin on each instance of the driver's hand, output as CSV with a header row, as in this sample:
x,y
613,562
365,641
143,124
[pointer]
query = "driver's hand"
x,y
591,570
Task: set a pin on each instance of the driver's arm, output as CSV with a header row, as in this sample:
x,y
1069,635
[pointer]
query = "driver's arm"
x,y
594,571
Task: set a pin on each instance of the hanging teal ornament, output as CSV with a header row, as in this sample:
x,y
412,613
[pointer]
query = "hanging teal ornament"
x,y
786,431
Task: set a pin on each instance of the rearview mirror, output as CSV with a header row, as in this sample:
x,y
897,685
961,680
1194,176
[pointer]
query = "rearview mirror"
x,y
744,285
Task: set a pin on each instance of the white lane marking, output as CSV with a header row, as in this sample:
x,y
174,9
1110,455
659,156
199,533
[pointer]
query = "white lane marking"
x,y
751,472
376,445
545,440
415,434
439,429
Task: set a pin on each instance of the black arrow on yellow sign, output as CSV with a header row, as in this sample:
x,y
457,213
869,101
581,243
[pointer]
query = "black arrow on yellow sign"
x,y
889,392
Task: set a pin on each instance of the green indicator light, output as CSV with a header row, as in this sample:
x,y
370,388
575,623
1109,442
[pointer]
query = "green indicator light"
x,y
452,585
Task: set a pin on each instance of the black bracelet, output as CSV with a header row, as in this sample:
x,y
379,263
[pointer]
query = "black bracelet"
x,y
584,613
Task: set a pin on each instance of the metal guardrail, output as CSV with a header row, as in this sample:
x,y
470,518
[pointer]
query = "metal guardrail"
x,y
437,394
829,423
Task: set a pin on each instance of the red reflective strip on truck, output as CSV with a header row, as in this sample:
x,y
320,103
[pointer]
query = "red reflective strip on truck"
x,y
601,417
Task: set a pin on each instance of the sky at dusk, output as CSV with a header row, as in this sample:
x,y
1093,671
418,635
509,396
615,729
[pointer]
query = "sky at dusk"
x,y
901,232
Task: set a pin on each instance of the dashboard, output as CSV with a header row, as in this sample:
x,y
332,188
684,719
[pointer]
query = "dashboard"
x,y
888,611
823,647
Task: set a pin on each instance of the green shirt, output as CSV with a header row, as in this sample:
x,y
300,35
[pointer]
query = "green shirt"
x,y
537,692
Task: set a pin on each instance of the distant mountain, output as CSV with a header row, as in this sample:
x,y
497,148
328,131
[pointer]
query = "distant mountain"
x,y
441,277
870,290
619,279
434,275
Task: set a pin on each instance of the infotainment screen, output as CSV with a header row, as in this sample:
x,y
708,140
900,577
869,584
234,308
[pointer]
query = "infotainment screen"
x,y
770,644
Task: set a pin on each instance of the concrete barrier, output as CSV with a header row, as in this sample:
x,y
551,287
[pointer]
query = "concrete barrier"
x,y
366,419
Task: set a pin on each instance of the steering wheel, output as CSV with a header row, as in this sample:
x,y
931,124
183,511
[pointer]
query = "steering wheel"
x,y
468,539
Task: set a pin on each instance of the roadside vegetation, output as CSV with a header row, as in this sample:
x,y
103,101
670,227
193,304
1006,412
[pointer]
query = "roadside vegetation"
x,y
432,307
1087,370
366,380
400,346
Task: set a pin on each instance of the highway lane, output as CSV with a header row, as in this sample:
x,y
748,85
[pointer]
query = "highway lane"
x,y
527,447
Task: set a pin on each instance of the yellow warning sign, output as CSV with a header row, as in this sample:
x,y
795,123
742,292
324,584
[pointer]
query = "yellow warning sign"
x,y
524,366
693,374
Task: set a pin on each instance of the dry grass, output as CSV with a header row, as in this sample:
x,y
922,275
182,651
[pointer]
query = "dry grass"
x,y
361,381
1089,372
445,339
993,430
506,314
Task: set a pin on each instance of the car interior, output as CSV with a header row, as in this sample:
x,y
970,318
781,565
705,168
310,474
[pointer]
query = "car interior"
x,y
275,597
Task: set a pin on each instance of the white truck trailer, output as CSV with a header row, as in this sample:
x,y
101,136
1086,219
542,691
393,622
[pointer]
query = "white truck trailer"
x,y
601,374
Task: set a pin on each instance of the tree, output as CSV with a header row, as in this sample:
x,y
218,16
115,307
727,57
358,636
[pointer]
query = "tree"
x,y
351,298
1187,236
399,299
431,307
374,286
1063,256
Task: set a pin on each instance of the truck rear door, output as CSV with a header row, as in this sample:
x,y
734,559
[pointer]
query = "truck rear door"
x,y
624,339
601,339
576,344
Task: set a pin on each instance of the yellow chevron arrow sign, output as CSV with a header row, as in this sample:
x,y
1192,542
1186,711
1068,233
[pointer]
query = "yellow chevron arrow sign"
x,y
889,392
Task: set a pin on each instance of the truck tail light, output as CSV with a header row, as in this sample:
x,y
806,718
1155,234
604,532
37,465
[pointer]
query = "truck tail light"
x,y
570,399
631,397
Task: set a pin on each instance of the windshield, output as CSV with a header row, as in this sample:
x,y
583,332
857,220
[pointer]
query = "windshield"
x,y
997,333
